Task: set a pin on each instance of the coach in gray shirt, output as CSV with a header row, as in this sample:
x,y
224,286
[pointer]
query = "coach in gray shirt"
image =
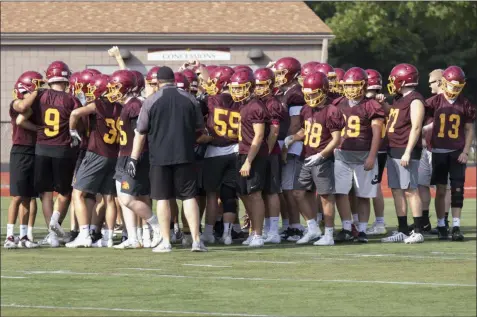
x,y
170,118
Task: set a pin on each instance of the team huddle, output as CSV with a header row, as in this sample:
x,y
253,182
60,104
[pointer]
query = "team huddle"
x,y
289,140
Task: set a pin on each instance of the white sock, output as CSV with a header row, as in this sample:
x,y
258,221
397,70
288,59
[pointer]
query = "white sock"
x,y
209,230
441,222
23,231
274,224
312,226
298,226
319,217
380,220
146,233
93,228
84,231
153,222
55,217
10,228
266,228
329,231
108,234
237,227
285,223
227,228
139,232
355,218
30,233
455,222
132,236
347,224
362,226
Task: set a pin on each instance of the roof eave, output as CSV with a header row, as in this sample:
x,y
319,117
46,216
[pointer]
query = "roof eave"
x,y
163,38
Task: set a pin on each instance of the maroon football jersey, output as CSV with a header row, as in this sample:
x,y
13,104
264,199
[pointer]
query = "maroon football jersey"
x,y
20,136
449,121
252,112
291,97
105,132
277,115
318,124
51,114
129,113
358,134
399,127
223,119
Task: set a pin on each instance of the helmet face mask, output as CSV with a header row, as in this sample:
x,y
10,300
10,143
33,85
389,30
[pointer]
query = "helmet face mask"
x,y
451,89
314,98
240,92
263,88
210,86
90,97
391,87
114,92
280,77
353,89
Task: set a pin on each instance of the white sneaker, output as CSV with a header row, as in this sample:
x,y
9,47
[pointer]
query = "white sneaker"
x,y
156,238
226,239
104,243
414,238
186,240
26,243
162,248
146,242
56,228
198,246
257,242
325,240
377,229
128,245
396,237
310,236
248,240
10,243
273,238
264,235
53,240
208,238
80,242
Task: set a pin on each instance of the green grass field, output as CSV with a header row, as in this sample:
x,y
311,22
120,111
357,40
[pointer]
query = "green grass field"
x,y
430,279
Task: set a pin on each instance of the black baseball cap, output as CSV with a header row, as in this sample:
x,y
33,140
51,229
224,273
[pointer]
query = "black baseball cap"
x,y
165,73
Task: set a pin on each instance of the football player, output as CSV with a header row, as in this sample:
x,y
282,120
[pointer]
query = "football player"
x,y
54,157
329,71
264,81
95,175
321,132
22,161
452,135
151,81
338,88
356,159
306,69
253,150
375,84
289,92
403,132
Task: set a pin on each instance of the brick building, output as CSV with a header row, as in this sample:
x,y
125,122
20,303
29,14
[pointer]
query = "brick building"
x,y
151,33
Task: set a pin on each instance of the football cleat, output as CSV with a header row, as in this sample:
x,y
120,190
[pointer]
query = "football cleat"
x,y
426,229
173,238
226,239
10,243
72,236
156,238
325,240
442,233
344,236
295,235
56,228
238,235
26,243
362,237
377,229
257,242
248,240
103,243
456,234
186,240
146,242
198,246
310,236
395,237
80,242
414,238
209,238
273,238
163,248
53,240
127,245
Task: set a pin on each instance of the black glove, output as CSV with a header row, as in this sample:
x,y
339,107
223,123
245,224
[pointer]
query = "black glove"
x,y
131,167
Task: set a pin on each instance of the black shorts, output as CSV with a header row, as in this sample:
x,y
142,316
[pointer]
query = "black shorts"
x,y
219,170
273,179
173,181
258,175
95,175
54,174
138,186
445,166
382,158
22,171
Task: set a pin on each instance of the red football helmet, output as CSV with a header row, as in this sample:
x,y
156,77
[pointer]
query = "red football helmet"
x,y
453,81
306,69
218,79
286,69
58,72
97,87
264,81
243,67
241,85
83,80
27,82
315,89
338,87
402,75
210,68
151,77
375,80
181,81
140,83
192,79
354,83
121,83
329,71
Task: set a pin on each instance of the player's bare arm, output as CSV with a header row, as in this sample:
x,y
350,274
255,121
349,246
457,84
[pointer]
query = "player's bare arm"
x,y
272,136
22,121
114,52
469,137
138,144
417,117
376,126
259,134
80,113
334,143
22,105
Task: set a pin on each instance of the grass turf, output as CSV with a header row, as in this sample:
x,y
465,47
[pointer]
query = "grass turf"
x,y
374,279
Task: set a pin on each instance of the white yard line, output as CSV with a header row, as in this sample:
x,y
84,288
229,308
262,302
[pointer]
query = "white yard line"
x,y
138,269
383,255
273,262
179,312
13,276
206,265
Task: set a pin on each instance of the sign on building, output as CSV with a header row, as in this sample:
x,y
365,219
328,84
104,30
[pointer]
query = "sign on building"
x,y
222,54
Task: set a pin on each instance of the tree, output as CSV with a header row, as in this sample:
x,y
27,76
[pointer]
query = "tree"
x,y
380,35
